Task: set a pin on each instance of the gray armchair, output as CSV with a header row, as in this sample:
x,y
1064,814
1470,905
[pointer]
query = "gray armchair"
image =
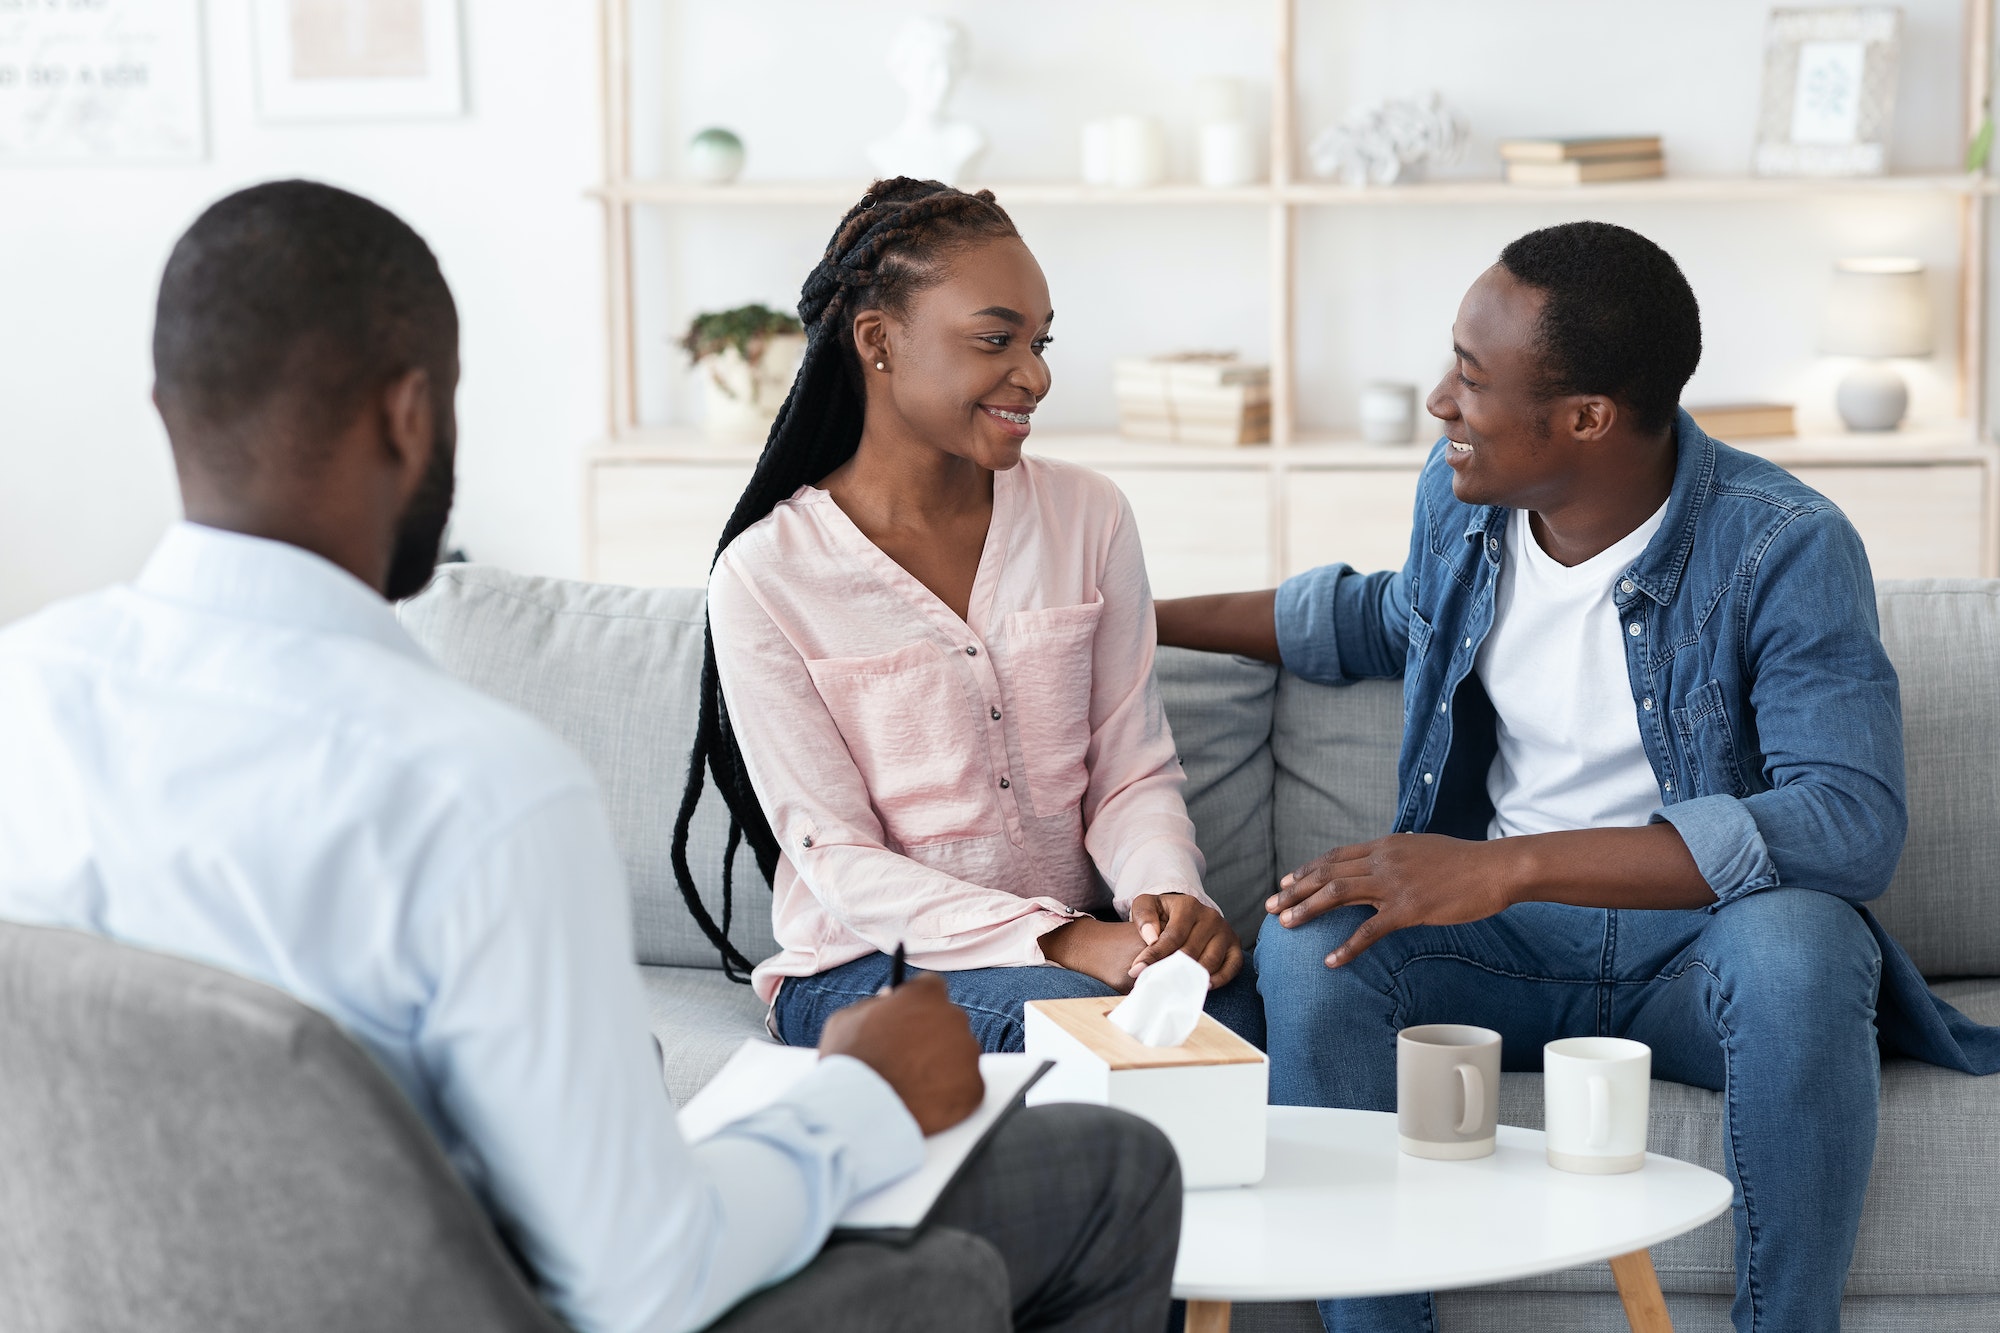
x,y
186,1151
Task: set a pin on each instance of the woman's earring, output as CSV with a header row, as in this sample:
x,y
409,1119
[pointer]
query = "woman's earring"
x,y
880,366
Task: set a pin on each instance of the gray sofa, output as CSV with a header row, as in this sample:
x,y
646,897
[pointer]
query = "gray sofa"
x,y
1279,770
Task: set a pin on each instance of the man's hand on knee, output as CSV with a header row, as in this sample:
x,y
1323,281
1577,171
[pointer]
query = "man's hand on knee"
x,y
1410,879
921,1045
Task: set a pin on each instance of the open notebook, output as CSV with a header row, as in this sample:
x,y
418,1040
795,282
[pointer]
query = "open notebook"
x,y
760,1073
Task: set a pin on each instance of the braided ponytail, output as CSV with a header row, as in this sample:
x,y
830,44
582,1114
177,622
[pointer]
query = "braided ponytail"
x,y
886,249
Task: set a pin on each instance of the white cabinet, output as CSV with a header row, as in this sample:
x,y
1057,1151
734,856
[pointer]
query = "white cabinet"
x,y
1917,522
1356,516
1203,531
1218,519
653,522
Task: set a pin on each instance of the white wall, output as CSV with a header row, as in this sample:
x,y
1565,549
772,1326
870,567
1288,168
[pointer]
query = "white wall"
x,y
86,484
84,480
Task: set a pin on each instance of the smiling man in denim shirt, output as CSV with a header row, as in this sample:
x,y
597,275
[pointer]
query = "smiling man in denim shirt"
x,y
1652,765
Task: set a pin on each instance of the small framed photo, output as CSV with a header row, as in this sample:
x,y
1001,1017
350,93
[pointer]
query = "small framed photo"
x,y
1829,91
358,59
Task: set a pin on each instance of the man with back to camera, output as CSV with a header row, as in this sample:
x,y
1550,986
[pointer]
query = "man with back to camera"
x,y
241,758
1652,765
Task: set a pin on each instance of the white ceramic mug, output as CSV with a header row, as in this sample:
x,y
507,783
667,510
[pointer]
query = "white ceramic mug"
x,y
1595,1091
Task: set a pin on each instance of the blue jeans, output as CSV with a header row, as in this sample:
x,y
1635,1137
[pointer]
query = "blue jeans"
x,y
991,997
1770,1000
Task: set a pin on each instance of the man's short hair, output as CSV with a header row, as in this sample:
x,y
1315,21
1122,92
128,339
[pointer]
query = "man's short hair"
x,y
1619,319
300,290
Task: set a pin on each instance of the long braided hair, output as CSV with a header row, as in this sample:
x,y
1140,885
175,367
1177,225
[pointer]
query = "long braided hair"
x,y
888,247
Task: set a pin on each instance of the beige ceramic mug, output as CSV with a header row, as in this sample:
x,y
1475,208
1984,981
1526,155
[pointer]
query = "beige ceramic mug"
x,y
1447,1090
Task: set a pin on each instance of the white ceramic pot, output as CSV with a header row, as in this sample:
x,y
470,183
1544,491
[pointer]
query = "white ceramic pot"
x,y
742,400
1138,152
1872,397
715,157
1388,412
1226,153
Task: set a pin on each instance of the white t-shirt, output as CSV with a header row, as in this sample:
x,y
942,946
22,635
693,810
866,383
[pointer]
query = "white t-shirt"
x,y
1554,666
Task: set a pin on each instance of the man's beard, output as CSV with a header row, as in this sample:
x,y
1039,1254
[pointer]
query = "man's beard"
x,y
420,535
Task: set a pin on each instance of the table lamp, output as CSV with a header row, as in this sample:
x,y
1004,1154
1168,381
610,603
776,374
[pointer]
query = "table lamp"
x,y
1879,308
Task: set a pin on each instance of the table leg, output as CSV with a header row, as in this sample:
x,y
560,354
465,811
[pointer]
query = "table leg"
x,y
1208,1317
1638,1287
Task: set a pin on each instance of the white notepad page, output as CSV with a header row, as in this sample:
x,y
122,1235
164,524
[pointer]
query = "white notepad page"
x,y
761,1072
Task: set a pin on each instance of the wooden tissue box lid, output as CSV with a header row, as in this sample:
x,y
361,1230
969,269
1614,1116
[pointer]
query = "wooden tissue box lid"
x,y
1085,1019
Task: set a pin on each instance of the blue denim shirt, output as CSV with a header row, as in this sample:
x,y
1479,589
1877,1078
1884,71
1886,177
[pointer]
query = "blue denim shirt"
x,y
1768,708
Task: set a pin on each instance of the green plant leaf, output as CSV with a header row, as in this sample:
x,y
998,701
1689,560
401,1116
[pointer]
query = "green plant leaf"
x,y
746,328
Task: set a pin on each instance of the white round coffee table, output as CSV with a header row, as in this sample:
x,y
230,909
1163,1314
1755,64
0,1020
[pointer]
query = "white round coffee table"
x,y
1341,1212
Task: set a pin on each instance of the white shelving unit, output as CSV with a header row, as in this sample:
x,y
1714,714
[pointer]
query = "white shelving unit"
x,y
1927,501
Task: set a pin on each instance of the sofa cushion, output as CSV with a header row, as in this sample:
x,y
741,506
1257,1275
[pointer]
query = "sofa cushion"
x,y
1944,904
613,671
1334,750
1220,709
700,1018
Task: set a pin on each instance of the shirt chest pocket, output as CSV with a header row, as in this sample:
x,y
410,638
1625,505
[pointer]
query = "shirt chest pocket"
x,y
905,719
1046,681
1710,750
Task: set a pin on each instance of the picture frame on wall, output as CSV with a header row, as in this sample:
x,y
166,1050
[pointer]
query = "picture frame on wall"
x,y
1829,91
112,82
333,60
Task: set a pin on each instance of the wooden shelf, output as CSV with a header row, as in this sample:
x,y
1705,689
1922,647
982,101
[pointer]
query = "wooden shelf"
x,y
1670,189
1950,442
1229,517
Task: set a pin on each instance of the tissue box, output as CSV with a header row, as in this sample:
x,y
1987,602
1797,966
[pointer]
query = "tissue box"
x,y
1208,1094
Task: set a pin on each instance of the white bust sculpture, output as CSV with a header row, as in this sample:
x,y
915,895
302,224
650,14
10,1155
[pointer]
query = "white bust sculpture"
x,y
926,58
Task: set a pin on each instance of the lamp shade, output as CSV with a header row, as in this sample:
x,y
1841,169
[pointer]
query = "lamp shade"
x,y
1878,307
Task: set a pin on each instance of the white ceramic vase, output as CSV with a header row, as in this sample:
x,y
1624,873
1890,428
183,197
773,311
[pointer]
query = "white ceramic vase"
x,y
1872,397
741,400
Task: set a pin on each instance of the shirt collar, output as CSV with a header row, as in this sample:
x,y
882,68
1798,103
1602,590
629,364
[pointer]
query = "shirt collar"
x,y
255,578
1657,572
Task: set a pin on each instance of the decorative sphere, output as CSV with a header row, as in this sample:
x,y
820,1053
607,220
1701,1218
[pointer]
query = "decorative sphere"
x,y
1872,397
715,156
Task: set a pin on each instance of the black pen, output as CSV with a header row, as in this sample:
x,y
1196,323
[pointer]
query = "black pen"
x,y
896,968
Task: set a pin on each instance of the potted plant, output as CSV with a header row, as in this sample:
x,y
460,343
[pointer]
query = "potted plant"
x,y
746,357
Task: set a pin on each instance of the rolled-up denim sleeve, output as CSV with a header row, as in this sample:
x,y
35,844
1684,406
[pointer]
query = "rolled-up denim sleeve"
x,y
1726,844
1337,625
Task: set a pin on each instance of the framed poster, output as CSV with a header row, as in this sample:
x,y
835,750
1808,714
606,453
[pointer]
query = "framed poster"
x,y
358,59
1829,91
108,81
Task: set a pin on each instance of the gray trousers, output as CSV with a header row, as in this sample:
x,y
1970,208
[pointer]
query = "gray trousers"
x,y
1067,1220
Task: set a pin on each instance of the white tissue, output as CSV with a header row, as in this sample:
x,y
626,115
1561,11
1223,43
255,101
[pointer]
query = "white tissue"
x,y
1165,1002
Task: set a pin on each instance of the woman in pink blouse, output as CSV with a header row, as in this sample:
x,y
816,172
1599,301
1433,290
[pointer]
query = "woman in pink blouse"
x,y
929,701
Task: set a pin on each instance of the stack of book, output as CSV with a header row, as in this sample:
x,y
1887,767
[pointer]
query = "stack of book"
x,y
1743,421
1579,161
1193,398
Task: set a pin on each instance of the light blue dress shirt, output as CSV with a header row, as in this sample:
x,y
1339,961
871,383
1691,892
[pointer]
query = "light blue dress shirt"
x,y
243,759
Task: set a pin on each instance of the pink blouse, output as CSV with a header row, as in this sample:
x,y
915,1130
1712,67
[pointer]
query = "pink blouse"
x,y
956,786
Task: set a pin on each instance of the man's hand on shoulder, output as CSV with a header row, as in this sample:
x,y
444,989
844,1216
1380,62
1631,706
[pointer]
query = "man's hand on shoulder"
x,y
1410,879
921,1045
1244,623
